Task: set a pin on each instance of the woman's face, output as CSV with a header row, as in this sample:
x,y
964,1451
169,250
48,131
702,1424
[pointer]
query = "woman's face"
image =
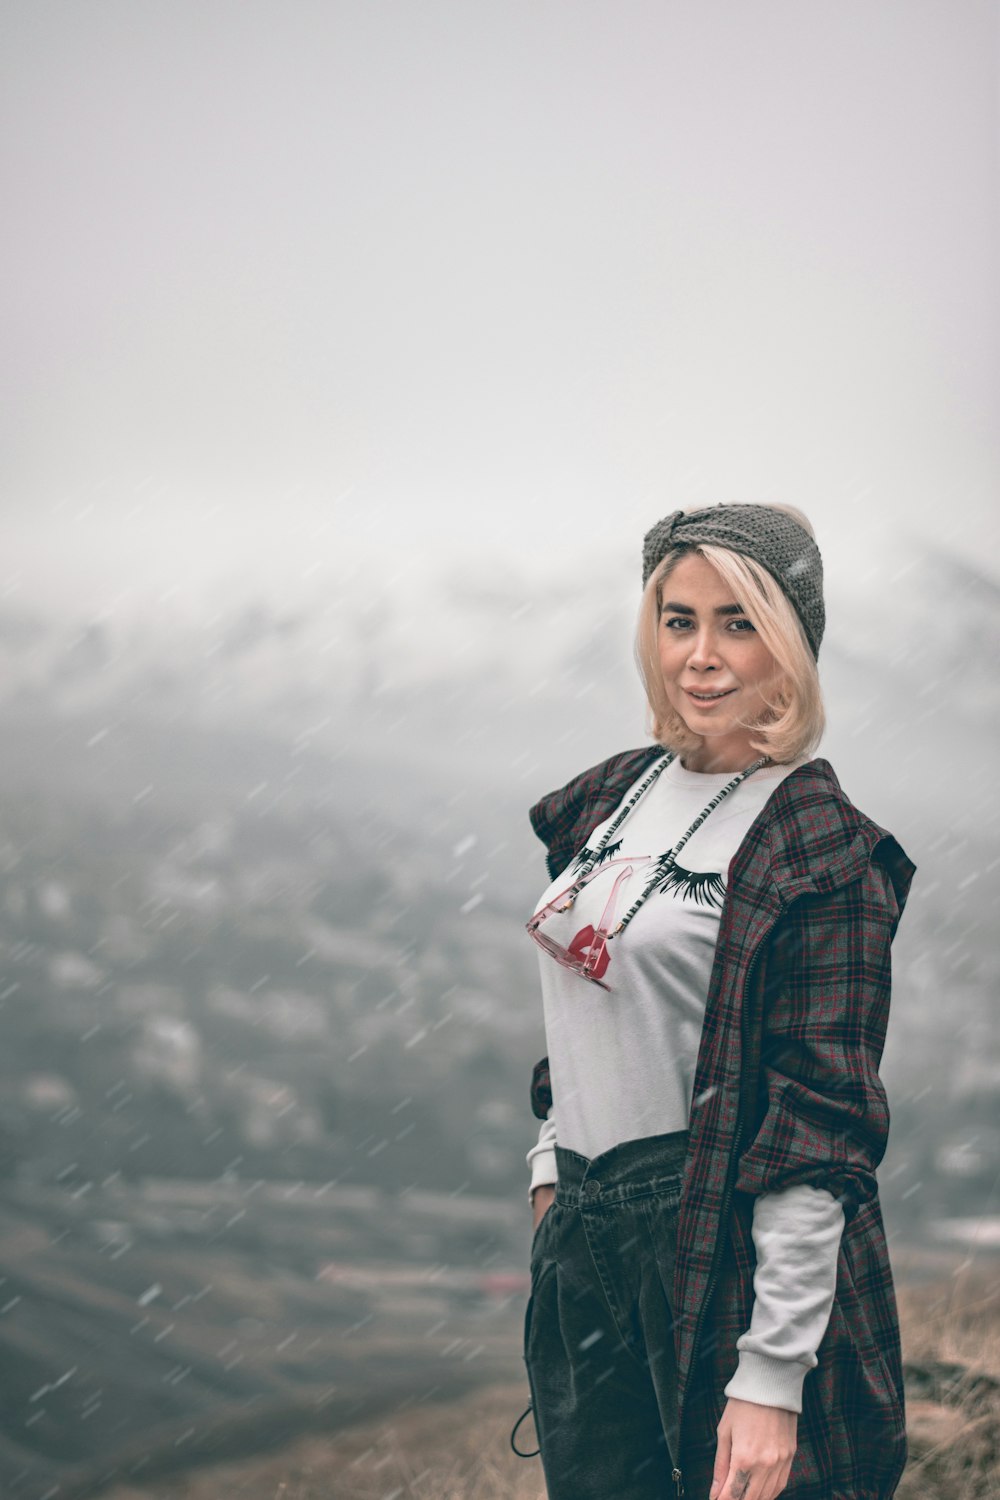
x,y
716,669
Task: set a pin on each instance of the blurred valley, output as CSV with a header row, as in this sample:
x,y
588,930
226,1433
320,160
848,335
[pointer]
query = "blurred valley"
x,y
269,1012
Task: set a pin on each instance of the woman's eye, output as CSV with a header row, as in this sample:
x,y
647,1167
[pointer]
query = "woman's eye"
x,y
737,627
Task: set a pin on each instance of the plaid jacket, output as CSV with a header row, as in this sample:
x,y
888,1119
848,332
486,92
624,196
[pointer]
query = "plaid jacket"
x,y
786,1090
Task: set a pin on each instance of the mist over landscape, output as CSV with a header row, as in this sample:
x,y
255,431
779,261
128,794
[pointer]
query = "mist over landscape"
x,y
268,1000
267,877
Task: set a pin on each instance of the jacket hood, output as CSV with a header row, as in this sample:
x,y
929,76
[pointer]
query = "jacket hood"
x,y
821,841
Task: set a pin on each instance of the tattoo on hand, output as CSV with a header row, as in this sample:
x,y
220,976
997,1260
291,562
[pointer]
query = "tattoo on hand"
x,y
741,1481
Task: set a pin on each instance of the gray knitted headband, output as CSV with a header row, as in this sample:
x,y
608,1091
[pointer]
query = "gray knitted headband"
x,y
770,537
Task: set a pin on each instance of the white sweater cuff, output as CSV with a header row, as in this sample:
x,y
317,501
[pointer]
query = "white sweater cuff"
x,y
543,1170
542,1156
769,1382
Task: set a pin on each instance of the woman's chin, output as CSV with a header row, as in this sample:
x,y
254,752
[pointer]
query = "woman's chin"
x,y
709,726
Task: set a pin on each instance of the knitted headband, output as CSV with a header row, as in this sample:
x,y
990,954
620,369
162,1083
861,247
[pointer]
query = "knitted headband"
x,y
770,537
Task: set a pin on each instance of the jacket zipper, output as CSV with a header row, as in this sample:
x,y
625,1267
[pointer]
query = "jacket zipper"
x,y
678,1475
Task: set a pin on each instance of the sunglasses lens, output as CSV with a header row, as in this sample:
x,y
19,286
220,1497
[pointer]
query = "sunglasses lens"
x,y
596,955
569,960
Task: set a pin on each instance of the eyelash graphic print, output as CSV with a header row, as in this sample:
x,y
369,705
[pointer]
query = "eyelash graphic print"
x,y
607,853
705,887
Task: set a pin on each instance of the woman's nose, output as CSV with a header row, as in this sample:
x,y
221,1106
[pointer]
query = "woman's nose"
x,y
703,651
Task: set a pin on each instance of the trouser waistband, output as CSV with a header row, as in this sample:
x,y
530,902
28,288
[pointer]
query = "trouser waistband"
x,y
631,1169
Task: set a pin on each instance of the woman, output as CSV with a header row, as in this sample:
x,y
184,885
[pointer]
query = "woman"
x,y
712,1310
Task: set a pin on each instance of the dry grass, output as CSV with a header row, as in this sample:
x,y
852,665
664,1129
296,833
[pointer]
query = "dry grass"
x,y
951,1336
456,1452
957,1318
951,1331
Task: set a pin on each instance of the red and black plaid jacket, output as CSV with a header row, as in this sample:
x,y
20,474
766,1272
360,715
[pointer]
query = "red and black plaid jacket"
x,y
786,1090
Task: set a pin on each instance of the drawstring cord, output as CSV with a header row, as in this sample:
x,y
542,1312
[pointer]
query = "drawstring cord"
x,y
529,1407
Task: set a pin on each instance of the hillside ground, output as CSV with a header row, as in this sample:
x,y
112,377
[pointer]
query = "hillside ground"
x,y
460,1451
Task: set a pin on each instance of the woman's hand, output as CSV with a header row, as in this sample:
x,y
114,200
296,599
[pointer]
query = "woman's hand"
x,y
755,1451
541,1201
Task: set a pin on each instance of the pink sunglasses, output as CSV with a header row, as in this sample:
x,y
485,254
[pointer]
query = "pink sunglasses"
x,y
592,958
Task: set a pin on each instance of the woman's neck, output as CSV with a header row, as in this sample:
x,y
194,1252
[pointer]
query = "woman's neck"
x,y
713,760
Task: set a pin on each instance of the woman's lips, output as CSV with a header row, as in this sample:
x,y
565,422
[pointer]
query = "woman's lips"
x,y
708,702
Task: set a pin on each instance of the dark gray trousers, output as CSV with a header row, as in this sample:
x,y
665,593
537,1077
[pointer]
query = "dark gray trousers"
x,y
598,1328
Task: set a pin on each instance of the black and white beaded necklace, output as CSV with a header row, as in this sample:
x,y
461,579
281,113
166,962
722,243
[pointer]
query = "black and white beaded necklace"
x,y
661,867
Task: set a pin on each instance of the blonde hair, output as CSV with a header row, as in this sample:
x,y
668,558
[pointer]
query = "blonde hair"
x,y
793,722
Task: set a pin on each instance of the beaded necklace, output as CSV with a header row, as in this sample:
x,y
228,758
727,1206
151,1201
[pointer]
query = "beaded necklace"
x,y
663,863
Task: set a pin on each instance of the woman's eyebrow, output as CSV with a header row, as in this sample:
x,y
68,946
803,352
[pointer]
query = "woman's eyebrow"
x,y
720,609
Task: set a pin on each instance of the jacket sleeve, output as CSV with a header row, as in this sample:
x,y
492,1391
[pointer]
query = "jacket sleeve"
x,y
822,1114
541,1089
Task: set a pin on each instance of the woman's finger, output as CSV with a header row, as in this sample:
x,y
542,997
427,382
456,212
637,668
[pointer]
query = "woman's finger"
x,y
780,1476
748,1480
720,1472
739,1484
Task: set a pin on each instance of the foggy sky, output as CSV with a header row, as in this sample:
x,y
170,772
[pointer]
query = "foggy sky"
x,y
291,288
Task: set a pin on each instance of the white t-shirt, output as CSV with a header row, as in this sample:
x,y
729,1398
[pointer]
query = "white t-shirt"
x,y
622,1060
